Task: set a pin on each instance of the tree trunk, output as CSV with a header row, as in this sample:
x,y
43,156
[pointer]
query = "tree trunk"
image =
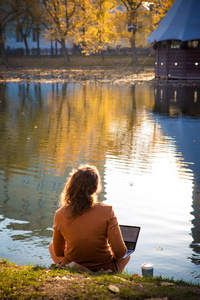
x,y
102,56
38,44
133,48
26,46
52,50
2,47
3,53
133,30
65,53
56,48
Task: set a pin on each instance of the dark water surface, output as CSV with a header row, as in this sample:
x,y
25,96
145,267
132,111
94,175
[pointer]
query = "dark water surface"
x,y
144,139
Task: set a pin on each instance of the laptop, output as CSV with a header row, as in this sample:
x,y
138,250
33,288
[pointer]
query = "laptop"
x,y
130,235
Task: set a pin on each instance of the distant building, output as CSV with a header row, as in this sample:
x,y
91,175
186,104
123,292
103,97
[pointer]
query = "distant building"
x,y
177,42
14,43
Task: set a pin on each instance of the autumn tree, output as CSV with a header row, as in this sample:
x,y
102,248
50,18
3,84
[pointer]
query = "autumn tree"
x,y
6,16
138,17
28,18
24,19
141,18
132,8
38,18
97,28
60,22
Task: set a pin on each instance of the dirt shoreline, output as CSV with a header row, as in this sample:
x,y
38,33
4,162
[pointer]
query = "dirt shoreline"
x,y
116,75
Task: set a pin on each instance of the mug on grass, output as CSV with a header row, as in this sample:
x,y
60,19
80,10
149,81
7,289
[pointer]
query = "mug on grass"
x,y
147,269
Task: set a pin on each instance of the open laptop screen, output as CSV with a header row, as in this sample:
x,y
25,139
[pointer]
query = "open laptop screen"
x,y
130,235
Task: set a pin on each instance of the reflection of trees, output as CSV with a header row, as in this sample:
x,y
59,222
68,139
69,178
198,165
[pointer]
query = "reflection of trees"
x,y
130,137
71,119
85,121
183,99
47,129
3,98
3,107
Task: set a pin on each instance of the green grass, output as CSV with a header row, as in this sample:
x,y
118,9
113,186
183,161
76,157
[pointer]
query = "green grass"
x,y
35,282
79,61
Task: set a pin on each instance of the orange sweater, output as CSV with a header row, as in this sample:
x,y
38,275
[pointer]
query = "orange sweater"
x,y
84,239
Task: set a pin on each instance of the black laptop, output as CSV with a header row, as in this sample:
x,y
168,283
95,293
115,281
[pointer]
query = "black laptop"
x,y
130,235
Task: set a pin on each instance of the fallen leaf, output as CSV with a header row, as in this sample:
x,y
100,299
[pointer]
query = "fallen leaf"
x,y
46,271
137,276
116,277
165,283
159,248
113,288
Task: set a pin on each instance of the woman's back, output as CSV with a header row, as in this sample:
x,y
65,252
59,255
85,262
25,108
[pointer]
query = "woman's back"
x,y
87,235
86,232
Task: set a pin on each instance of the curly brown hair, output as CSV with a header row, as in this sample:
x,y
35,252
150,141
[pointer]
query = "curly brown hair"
x,y
80,190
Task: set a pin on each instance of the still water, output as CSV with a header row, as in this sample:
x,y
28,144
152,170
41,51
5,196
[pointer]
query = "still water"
x,y
145,140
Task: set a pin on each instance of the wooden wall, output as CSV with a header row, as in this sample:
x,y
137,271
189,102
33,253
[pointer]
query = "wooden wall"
x,y
177,63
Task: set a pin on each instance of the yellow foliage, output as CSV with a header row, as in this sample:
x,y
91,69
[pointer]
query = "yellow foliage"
x,y
144,16
97,29
160,8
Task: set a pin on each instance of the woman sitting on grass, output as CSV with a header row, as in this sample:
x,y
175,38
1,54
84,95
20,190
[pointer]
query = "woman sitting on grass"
x,y
86,232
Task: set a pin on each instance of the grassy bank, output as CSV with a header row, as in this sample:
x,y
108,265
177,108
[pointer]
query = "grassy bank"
x,y
34,282
78,61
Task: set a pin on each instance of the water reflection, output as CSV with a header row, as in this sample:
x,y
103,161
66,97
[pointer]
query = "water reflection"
x,y
178,99
47,129
139,139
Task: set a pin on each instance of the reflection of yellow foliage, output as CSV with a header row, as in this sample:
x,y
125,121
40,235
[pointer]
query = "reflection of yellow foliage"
x,y
83,121
72,122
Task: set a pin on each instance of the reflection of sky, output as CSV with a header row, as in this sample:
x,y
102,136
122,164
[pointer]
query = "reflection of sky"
x,y
19,243
186,133
157,197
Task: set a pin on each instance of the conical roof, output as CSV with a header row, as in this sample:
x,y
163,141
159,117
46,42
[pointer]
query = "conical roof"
x,y
182,22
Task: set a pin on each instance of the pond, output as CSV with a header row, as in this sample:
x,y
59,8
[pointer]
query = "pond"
x,y
145,140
